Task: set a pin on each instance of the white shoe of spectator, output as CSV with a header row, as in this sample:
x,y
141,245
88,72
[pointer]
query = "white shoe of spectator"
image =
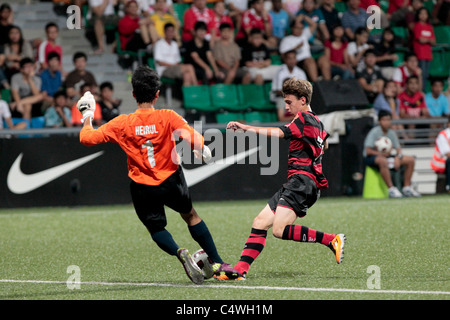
x,y
395,193
410,192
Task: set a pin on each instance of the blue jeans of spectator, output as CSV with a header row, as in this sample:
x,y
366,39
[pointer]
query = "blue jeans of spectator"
x,y
425,66
344,74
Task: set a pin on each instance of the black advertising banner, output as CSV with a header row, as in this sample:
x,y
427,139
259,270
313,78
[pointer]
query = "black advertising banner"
x,y
59,171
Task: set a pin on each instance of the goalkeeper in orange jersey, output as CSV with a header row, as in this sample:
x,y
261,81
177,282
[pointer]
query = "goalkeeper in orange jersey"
x,y
157,180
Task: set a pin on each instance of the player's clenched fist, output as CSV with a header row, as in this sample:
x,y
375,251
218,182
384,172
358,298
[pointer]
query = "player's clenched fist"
x,y
86,105
234,125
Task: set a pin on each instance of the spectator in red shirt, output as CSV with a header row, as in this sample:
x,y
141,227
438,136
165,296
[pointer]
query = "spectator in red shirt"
x,y
423,40
197,12
412,101
257,17
409,68
220,17
336,52
135,32
49,45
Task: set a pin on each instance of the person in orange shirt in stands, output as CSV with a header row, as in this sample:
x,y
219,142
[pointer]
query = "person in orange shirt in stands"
x,y
157,179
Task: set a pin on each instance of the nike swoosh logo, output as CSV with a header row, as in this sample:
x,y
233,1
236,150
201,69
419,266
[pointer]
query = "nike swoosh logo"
x,y
20,183
194,176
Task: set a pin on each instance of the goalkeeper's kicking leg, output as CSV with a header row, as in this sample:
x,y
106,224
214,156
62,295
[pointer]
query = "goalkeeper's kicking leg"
x,y
200,233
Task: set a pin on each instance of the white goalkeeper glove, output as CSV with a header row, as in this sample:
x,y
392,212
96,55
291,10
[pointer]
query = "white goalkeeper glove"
x,y
205,155
86,105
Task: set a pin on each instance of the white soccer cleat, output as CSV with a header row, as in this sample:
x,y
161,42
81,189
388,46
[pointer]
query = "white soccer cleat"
x,y
192,270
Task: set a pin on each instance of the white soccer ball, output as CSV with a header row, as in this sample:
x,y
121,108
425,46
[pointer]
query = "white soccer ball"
x,y
383,144
204,263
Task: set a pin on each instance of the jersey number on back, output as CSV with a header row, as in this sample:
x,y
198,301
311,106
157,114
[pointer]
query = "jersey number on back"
x,y
150,152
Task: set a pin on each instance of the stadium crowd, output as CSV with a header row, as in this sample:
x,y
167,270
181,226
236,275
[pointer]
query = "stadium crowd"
x,y
236,42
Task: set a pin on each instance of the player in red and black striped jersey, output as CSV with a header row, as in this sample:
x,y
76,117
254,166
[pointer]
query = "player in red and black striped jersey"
x,y
308,140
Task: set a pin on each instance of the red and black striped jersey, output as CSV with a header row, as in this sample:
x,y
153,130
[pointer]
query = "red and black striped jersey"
x,y
306,148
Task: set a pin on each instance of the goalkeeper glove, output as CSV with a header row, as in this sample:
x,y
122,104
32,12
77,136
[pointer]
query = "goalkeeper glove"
x,y
86,105
205,155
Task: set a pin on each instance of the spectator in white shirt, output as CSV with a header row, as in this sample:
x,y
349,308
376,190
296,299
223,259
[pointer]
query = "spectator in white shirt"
x,y
299,41
168,59
5,115
287,71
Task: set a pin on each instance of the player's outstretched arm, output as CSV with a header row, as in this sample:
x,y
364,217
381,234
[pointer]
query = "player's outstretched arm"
x,y
88,135
267,131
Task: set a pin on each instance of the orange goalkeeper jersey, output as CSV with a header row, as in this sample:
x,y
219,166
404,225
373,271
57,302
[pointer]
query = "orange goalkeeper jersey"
x,y
147,137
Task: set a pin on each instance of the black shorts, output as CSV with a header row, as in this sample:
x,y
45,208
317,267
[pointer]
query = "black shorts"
x,y
299,193
149,201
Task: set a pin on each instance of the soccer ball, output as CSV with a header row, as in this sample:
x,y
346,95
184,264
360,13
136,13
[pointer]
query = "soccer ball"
x,y
204,263
383,144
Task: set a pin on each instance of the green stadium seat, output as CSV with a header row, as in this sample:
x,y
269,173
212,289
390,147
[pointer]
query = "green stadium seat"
x,y
439,66
252,96
400,60
384,5
225,117
374,186
260,116
197,98
6,95
442,34
340,6
276,59
179,10
225,96
429,5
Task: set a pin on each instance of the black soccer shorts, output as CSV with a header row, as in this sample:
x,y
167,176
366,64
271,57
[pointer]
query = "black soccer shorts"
x,y
149,201
299,193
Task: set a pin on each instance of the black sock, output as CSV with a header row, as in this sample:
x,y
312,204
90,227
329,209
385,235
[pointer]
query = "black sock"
x,y
165,241
201,234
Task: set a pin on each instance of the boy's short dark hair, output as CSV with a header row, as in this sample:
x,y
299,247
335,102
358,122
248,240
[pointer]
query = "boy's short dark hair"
x,y
168,25
60,93
200,25
79,55
409,54
49,25
25,61
434,80
361,30
53,55
146,83
412,77
254,31
108,85
384,113
224,25
369,51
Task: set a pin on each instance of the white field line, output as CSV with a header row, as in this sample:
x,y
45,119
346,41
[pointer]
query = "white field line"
x,y
222,286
